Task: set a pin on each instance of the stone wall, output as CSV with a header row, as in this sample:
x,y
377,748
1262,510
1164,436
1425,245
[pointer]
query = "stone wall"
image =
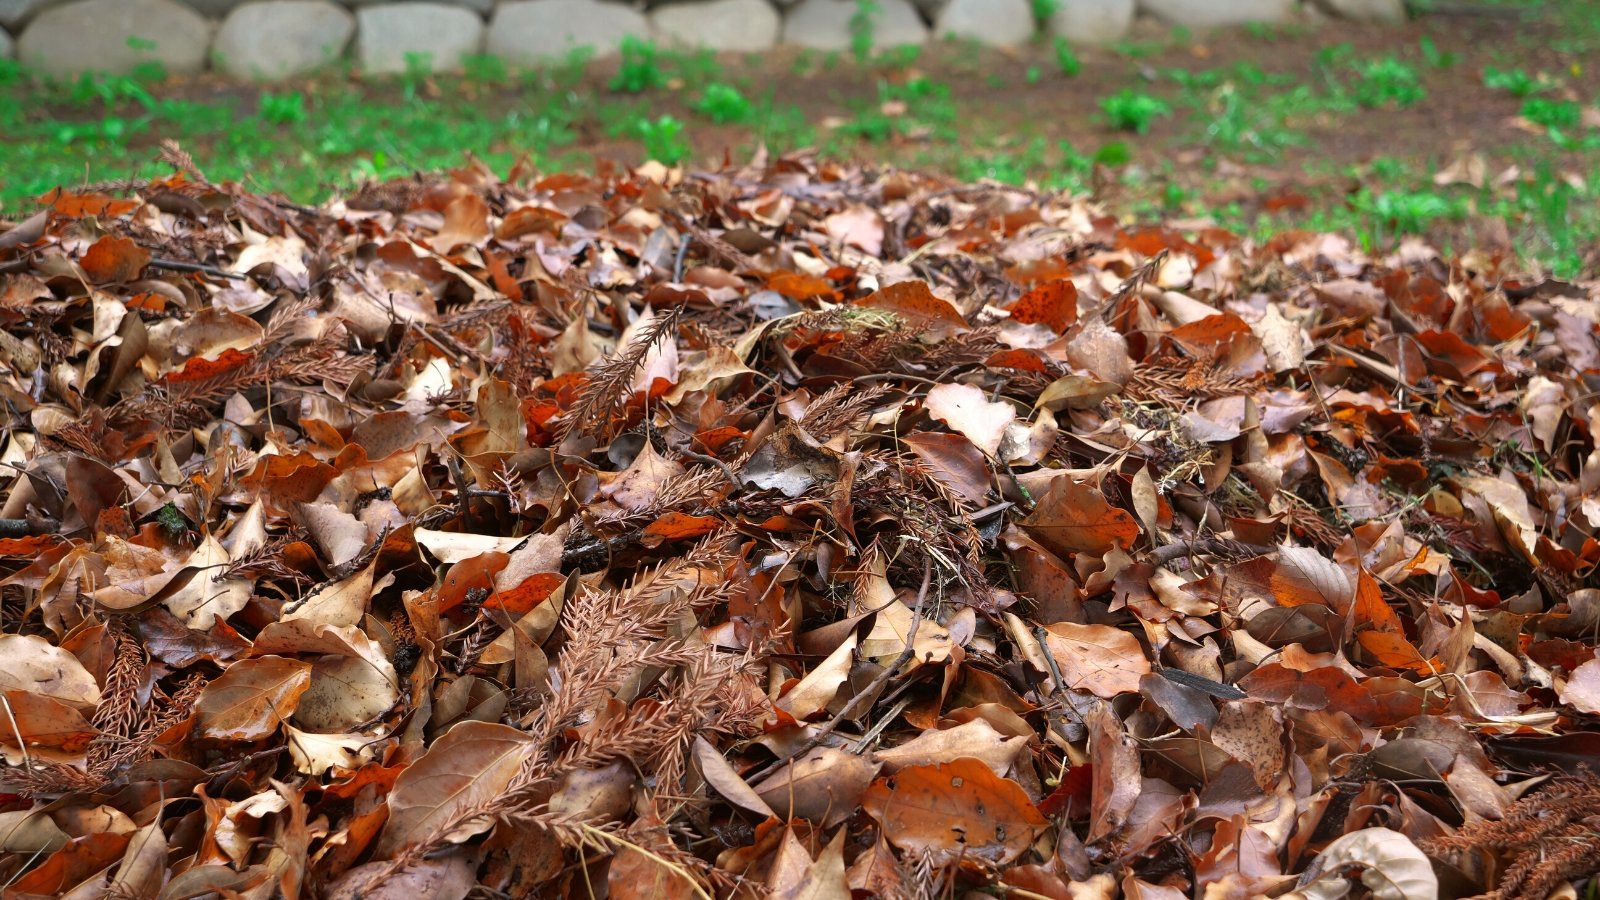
x,y
268,39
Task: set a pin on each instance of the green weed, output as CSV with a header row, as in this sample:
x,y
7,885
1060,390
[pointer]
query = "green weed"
x,y
1566,115
1381,82
640,69
694,67
1067,61
283,109
663,139
723,104
863,25
1133,110
1515,81
484,68
1439,59
1405,212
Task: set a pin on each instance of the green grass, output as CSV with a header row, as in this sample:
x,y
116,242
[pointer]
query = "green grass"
x,y
330,133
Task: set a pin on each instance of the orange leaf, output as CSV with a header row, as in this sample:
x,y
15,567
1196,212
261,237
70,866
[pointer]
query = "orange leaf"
x,y
1100,659
1393,650
527,220
32,545
468,574
797,286
202,369
916,302
1054,303
677,526
952,809
530,593
1021,360
43,722
114,260
80,205
247,701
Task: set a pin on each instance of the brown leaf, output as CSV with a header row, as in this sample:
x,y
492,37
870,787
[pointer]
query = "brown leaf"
x,y
251,698
824,786
31,664
466,769
1249,731
1582,690
1116,783
955,809
1074,517
1100,659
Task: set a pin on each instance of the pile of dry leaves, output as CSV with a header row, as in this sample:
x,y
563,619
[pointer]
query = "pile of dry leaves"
x,y
787,529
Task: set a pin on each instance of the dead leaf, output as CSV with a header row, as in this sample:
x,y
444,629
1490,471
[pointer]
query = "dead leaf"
x,y
1102,660
1074,517
467,768
251,698
955,809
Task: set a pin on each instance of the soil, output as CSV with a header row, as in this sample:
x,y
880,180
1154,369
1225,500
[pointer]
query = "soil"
x,y
999,107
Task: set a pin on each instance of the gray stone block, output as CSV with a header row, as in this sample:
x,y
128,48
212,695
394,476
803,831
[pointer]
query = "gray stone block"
x,y
115,36
1092,21
826,24
1366,10
1219,13
482,7
536,31
993,23
13,13
216,9
389,35
741,25
281,38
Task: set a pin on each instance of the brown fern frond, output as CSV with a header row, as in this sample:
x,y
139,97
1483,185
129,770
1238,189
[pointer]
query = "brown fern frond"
x,y
179,158
605,395
966,349
690,489
286,314
1545,838
118,714
841,408
1176,382
46,780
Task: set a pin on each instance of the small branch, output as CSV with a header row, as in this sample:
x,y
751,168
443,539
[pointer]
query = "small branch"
x,y
16,528
179,266
1179,549
871,691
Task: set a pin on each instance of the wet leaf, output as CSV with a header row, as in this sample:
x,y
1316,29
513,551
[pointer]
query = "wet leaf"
x,y
252,698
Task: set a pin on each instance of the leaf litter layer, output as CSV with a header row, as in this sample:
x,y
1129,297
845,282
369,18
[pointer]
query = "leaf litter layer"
x,y
790,529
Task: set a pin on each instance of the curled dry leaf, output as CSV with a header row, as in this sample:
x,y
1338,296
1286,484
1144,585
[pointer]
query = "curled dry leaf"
x,y
824,786
31,664
1391,867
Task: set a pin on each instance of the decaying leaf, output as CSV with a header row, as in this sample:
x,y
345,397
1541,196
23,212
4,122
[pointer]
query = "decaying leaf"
x,y
792,527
